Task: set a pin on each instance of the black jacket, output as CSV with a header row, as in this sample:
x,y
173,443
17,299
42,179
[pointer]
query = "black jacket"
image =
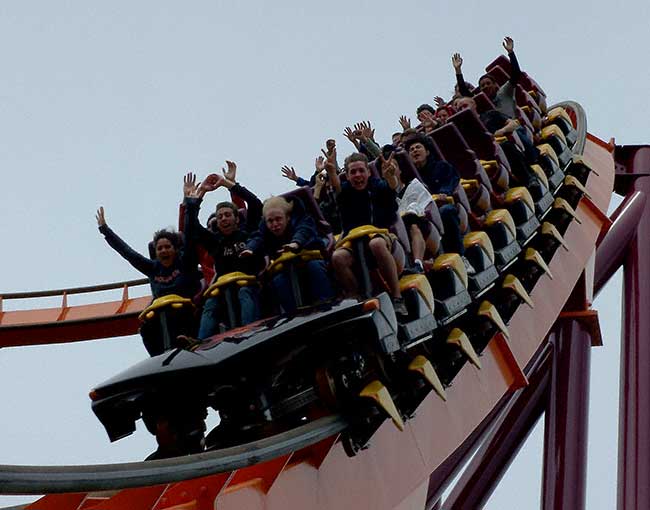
x,y
301,230
224,249
181,278
376,205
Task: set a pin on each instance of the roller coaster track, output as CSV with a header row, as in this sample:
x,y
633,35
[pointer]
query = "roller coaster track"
x,y
306,467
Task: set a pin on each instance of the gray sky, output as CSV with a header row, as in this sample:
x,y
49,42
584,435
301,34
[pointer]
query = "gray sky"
x,y
110,103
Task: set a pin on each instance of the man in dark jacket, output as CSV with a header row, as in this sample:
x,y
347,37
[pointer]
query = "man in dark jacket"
x,y
225,246
366,200
287,226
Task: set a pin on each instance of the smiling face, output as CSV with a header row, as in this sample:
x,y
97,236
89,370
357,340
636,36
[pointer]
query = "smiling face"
x,y
227,220
358,174
165,252
442,115
419,154
276,221
488,86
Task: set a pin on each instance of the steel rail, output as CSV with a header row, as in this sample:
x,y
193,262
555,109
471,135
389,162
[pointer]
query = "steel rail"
x,y
73,290
100,477
581,124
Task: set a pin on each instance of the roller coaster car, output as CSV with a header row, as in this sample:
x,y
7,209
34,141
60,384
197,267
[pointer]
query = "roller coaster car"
x,y
226,290
164,320
261,377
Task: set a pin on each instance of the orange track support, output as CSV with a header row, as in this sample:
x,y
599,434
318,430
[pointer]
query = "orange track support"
x,y
394,472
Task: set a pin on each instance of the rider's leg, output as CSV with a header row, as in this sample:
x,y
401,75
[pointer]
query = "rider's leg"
x,y
209,318
249,301
320,284
342,262
386,264
452,241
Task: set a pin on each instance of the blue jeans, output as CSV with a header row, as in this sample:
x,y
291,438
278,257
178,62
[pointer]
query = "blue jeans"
x,y
318,285
249,304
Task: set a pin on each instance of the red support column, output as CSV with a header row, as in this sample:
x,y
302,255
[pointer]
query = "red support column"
x,y
634,404
565,434
611,251
495,456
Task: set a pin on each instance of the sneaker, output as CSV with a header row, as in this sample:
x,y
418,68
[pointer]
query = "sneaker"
x,y
399,306
187,342
415,268
469,267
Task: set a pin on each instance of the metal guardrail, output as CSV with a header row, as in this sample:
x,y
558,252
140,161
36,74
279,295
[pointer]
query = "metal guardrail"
x,y
73,290
60,479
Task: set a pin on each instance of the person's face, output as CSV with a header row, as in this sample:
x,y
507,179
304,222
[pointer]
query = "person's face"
x,y
227,220
489,87
442,116
358,174
165,252
465,103
426,118
397,138
276,221
418,153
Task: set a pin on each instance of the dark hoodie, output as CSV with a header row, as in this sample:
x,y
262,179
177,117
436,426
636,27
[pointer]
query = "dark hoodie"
x,y
440,177
301,230
224,249
181,278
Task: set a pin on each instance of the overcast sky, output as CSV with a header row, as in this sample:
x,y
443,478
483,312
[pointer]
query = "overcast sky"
x,y
109,103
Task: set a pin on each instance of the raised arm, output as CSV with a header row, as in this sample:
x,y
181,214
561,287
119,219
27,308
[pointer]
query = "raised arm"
x,y
139,262
515,70
367,139
389,170
290,173
331,166
457,62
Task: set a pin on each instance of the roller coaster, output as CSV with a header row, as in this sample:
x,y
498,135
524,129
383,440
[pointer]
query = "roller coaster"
x,y
345,405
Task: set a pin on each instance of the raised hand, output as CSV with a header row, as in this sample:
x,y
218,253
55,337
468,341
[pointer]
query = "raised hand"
x,y
367,132
440,102
212,182
426,115
319,164
405,122
289,173
330,161
508,44
231,173
388,166
457,62
330,144
189,184
351,135
99,216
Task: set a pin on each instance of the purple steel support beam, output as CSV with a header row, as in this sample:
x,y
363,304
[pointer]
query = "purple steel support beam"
x,y
501,446
634,401
611,250
445,473
565,433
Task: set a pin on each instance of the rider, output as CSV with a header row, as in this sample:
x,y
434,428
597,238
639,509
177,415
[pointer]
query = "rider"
x,y
288,227
225,245
367,200
441,179
173,271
